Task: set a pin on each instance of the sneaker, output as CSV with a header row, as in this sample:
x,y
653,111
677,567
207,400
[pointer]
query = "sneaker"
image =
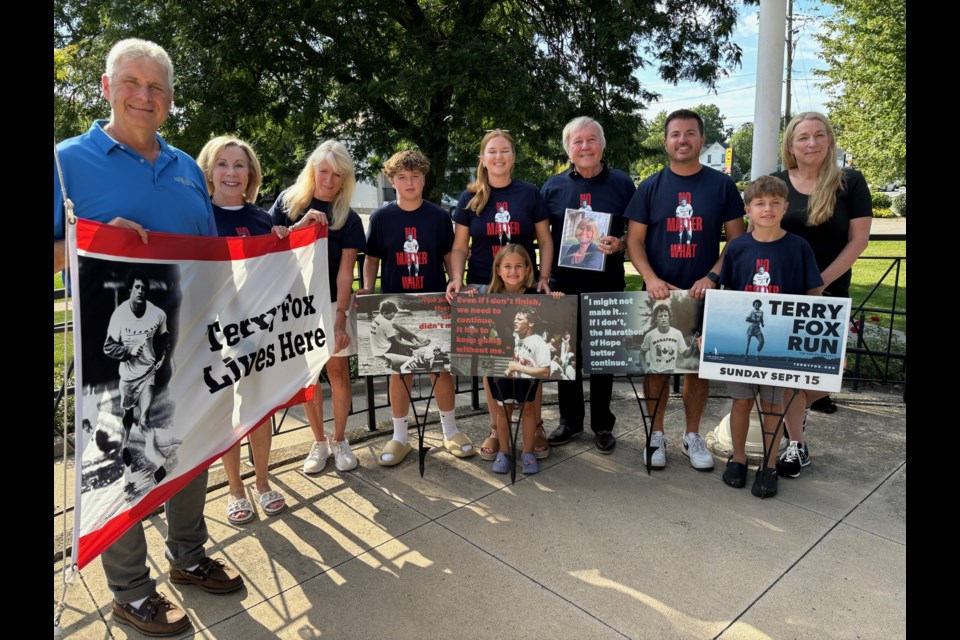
x,y
696,449
793,459
157,616
659,458
735,475
529,464
212,575
502,463
765,483
343,456
317,458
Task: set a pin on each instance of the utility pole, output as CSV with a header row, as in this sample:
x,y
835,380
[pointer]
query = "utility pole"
x,y
786,113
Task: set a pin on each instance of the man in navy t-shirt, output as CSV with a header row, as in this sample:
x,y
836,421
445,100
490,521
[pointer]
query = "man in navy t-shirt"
x,y
676,219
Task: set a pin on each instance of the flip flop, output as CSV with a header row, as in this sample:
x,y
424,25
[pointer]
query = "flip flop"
x,y
460,445
239,505
490,448
541,446
397,449
270,497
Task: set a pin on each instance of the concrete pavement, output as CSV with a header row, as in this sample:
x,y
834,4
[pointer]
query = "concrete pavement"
x,y
591,547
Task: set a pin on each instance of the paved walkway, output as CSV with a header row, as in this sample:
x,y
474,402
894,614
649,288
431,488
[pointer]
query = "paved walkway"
x,y
592,547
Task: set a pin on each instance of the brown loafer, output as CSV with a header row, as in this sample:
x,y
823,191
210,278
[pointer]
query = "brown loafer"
x,y
211,575
157,616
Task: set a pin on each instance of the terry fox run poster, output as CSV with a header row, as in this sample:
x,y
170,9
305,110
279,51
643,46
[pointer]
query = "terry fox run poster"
x,y
403,333
491,331
630,333
183,345
775,339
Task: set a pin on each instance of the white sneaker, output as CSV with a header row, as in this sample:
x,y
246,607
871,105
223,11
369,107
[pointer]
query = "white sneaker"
x,y
317,458
696,449
659,458
343,456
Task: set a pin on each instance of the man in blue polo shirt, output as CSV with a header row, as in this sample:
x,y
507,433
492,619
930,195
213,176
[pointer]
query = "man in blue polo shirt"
x,y
122,173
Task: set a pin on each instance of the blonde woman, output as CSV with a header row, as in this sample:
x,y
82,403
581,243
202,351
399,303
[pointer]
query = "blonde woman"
x,y
493,211
831,209
233,178
322,194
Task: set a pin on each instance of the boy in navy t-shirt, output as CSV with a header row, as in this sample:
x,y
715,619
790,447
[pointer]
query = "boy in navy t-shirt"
x,y
413,239
765,260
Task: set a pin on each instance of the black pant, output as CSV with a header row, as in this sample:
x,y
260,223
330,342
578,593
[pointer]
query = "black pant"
x,y
570,392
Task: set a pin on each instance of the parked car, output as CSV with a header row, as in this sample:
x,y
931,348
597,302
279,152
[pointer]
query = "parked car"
x,y
449,203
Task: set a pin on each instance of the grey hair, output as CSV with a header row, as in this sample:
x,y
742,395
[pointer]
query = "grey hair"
x,y
133,48
578,123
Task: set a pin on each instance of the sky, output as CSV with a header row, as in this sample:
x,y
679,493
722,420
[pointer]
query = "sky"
x,y
735,94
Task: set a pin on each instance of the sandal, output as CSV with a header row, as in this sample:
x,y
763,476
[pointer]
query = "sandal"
x,y
398,450
268,498
237,506
541,446
490,448
460,445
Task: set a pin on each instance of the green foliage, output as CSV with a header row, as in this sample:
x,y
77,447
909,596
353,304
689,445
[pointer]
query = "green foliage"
x,y
66,401
899,204
865,46
883,212
742,143
643,169
285,74
880,201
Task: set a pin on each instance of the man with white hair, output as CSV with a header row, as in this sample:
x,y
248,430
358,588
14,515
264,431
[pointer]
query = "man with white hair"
x,y
590,185
121,172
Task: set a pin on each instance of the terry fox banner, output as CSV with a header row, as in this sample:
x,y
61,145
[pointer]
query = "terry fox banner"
x,y
182,345
776,339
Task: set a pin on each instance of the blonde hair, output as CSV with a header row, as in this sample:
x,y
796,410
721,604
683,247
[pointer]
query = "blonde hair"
x,y
589,223
496,282
208,160
297,198
823,200
482,185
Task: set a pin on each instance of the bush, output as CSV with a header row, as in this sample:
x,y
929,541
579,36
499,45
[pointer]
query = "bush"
x,y
67,401
880,201
899,204
883,213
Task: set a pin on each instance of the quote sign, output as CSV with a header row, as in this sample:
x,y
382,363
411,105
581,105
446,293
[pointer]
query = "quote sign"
x,y
631,333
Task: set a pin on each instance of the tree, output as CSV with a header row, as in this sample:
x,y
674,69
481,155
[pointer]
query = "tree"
x,y
382,74
742,143
865,46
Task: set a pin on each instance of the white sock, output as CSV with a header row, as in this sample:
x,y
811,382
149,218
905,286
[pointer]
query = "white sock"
x,y
448,421
400,429
136,603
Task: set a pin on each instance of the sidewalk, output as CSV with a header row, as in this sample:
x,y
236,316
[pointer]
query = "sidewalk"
x,y
591,547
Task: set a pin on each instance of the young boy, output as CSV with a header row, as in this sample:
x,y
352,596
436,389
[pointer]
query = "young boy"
x,y
394,229
789,263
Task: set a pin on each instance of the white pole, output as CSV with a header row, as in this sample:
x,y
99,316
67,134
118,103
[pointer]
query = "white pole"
x,y
766,123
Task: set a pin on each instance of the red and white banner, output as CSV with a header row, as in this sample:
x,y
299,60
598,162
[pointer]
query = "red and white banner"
x,y
182,345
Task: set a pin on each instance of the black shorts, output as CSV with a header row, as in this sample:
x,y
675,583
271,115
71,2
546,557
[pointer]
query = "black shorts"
x,y
519,390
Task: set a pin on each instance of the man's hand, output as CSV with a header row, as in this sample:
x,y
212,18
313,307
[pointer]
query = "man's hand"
x,y
129,224
699,288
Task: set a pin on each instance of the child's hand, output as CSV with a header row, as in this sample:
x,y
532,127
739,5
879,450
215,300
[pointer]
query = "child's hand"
x,y
280,231
557,294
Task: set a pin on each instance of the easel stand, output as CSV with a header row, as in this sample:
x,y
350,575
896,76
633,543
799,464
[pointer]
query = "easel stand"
x,y
516,426
771,442
649,421
420,420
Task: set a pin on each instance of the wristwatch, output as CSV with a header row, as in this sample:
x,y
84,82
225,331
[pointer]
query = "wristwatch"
x,y
346,313
714,278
